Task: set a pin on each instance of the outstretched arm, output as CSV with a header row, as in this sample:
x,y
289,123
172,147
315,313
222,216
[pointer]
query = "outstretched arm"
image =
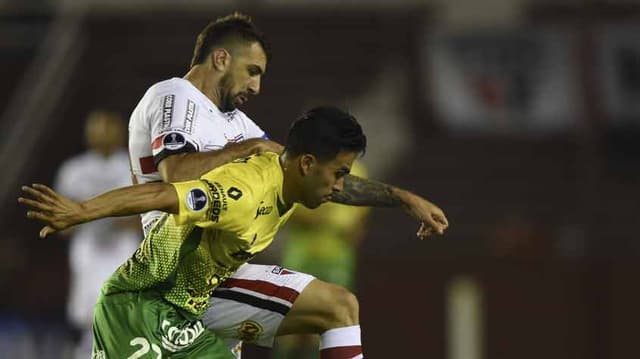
x,y
59,212
364,192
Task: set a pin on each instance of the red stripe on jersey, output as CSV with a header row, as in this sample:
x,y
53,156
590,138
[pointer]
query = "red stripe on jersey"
x,y
147,165
262,287
341,352
157,143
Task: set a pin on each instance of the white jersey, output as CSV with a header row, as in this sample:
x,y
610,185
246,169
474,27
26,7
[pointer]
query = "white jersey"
x,y
99,247
174,117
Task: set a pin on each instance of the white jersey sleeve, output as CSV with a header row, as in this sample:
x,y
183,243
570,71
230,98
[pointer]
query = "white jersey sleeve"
x,y
164,123
171,117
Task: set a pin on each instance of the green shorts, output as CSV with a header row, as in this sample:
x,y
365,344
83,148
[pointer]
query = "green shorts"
x,y
143,325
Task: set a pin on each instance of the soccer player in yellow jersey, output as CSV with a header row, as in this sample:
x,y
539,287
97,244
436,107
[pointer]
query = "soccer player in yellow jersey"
x,y
153,304
185,127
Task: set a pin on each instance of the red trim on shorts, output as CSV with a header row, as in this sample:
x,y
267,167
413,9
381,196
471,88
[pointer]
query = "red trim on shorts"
x,y
263,287
147,165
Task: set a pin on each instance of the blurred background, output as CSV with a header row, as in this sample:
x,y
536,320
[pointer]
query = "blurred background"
x,y
520,118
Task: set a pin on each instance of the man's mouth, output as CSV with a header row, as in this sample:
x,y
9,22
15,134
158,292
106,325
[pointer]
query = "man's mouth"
x,y
241,99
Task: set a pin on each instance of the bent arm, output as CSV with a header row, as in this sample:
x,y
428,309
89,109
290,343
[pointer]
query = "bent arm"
x,y
191,165
359,191
364,192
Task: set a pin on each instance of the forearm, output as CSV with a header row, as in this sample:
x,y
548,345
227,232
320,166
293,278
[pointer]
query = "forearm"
x,y
131,200
364,192
190,166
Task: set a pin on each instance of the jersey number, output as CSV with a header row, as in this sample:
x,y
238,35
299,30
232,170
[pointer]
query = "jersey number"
x,y
144,348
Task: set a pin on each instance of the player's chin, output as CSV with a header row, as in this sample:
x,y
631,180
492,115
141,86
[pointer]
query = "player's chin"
x,y
311,204
229,105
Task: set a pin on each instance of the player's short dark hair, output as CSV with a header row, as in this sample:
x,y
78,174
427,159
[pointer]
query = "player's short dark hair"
x,y
225,30
324,132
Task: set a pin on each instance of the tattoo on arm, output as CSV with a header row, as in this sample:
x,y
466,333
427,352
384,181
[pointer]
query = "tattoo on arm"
x,y
363,192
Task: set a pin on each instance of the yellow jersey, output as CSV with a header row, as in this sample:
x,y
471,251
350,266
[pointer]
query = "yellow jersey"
x,y
225,218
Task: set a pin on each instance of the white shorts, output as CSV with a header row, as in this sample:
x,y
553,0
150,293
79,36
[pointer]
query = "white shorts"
x,y
251,304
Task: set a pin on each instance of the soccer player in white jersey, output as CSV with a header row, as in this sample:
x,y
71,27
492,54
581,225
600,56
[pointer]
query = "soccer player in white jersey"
x,y
96,249
184,127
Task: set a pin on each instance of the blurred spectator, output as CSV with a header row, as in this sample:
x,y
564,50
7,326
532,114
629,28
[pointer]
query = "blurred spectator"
x,y
96,248
323,243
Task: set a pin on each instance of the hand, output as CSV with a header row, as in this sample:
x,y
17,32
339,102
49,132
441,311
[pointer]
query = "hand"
x,y
432,218
261,145
56,211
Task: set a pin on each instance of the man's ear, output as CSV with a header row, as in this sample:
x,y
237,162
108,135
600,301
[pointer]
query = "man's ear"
x,y
220,59
307,161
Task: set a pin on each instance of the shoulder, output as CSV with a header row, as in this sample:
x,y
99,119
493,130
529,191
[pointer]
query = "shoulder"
x,y
256,167
121,155
246,176
174,85
120,161
166,92
250,128
76,163
242,118
73,171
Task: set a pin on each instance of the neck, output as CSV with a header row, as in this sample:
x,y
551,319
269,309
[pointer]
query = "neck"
x,y
201,78
289,189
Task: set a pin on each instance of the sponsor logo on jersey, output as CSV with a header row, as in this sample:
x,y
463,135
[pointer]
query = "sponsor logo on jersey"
x,y
196,199
280,271
98,354
234,193
263,210
177,338
249,331
173,141
219,200
167,110
191,114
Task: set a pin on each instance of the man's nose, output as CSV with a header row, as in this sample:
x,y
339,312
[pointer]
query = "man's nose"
x,y
339,185
254,86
